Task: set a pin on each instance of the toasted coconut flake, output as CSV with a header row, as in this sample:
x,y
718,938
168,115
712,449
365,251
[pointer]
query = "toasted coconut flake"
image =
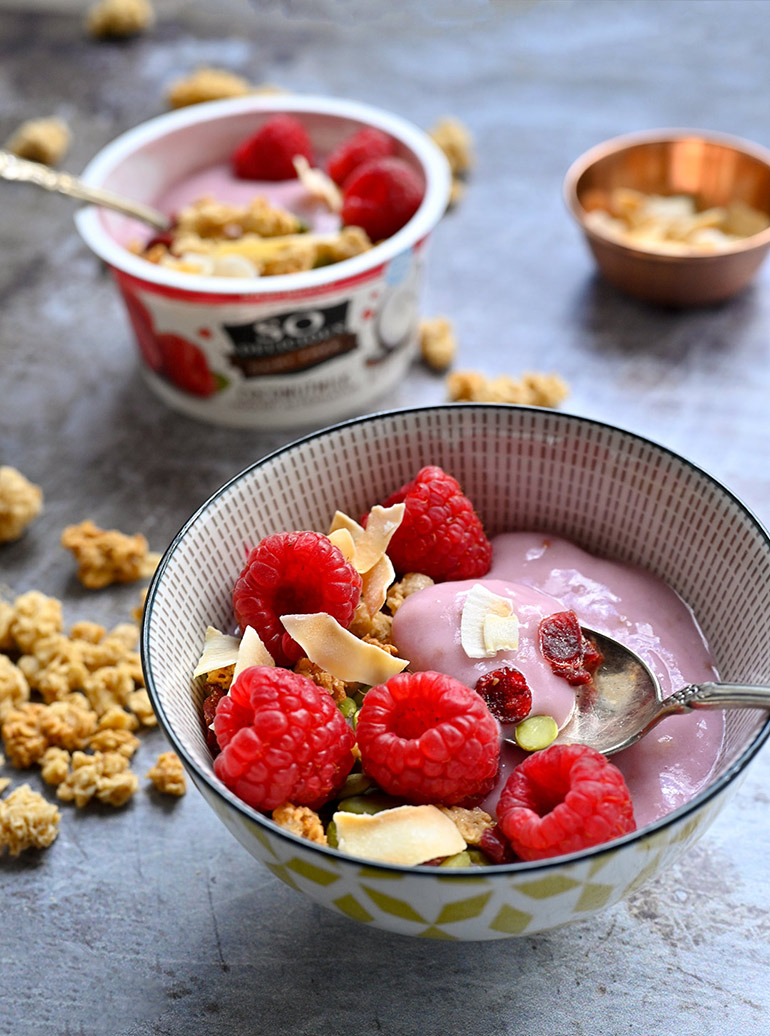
x,y
251,652
478,605
500,633
343,539
405,835
376,583
339,652
219,650
380,526
318,184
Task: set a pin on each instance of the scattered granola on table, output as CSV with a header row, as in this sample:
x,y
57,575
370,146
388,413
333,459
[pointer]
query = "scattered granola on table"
x,y
118,18
438,345
20,502
27,821
454,139
531,389
106,556
40,140
168,774
206,84
102,775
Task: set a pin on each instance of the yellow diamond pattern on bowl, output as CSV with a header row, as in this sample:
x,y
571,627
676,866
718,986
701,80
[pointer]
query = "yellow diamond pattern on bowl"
x,y
599,863
391,905
312,872
544,888
436,933
380,875
593,897
644,874
463,909
350,906
510,920
280,872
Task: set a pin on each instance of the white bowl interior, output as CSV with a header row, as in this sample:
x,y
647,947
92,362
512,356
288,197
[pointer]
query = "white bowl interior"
x,y
613,493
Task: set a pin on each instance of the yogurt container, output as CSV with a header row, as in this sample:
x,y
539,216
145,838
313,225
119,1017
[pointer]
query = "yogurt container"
x,y
272,352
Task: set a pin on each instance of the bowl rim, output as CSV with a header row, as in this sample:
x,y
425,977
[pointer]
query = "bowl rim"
x,y
434,165
461,873
626,141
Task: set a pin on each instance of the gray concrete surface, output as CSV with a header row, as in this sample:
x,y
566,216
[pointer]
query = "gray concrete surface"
x,y
152,919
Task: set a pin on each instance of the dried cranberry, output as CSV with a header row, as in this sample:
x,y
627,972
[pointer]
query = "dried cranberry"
x,y
563,646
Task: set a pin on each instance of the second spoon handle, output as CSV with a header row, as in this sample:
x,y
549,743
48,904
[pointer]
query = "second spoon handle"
x,y
14,168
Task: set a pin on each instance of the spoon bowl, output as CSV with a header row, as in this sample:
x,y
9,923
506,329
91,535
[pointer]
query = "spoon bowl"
x,y
624,701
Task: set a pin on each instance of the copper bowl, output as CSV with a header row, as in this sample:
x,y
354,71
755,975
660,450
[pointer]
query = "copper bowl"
x,y
712,168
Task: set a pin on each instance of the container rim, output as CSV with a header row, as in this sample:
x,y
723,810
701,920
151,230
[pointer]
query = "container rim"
x,y
97,172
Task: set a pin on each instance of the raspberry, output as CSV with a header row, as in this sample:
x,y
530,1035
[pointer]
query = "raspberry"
x,y
566,650
186,365
426,737
268,153
214,694
283,740
367,144
381,196
293,573
563,799
440,534
507,694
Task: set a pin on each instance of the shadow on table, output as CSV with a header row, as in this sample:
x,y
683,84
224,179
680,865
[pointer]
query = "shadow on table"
x,y
610,324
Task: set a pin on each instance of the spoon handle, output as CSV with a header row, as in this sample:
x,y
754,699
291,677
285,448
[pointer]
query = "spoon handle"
x,y
13,168
718,696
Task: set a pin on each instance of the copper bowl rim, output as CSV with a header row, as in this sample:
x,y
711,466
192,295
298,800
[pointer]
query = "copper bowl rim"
x,y
621,143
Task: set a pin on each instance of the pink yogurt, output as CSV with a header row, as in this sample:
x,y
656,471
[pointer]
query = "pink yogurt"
x,y
542,575
219,183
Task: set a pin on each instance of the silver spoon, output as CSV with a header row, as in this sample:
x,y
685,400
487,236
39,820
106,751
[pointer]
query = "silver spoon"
x,y
14,168
624,700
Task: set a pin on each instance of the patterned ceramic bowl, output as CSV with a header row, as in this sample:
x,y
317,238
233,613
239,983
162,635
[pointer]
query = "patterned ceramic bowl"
x,y
612,492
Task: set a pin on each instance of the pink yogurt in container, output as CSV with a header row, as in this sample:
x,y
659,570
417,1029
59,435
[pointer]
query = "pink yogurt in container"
x,y
267,352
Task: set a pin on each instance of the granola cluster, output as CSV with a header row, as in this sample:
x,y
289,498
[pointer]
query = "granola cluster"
x,y
70,704
206,84
27,821
168,774
40,140
106,556
531,389
108,19
20,502
438,345
212,84
455,140
214,238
